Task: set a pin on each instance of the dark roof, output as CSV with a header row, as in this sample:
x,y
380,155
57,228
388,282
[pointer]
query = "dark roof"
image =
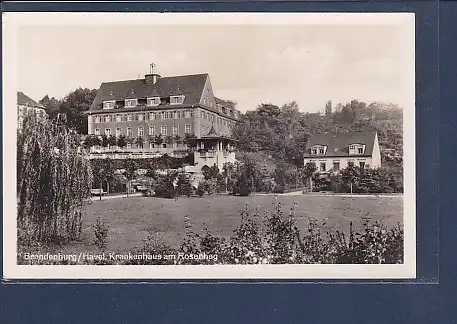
x,y
338,144
24,100
224,103
189,85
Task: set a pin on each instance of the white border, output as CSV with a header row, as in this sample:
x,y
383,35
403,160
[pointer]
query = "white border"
x,y
11,22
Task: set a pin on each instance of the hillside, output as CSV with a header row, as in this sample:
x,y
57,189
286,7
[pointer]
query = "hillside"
x,y
283,132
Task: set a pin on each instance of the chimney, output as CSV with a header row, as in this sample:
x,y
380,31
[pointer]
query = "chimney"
x,y
152,77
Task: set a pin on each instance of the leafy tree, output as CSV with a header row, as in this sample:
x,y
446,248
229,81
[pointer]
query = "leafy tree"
x,y
105,141
328,108
190,140
112,140
122,141
139,141
158,139
308,172
130,168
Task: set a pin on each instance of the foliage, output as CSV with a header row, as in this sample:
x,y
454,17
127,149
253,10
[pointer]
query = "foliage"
x,y
101,234
53,182
73,107
183,186
208,186
283,132
165,187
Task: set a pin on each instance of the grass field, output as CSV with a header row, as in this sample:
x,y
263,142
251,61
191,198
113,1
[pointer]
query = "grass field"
x,y
131,219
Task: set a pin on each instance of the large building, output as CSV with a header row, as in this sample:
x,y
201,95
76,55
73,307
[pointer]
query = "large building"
x,y
337,151
168,106
26,105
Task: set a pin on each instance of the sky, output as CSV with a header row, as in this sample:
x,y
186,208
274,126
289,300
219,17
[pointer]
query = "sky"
x,y
249,64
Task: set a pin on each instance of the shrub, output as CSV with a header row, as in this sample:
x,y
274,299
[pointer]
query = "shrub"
x,y
165,187
101,234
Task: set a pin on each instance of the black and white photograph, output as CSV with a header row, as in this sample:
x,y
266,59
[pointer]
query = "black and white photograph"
x,y
195,146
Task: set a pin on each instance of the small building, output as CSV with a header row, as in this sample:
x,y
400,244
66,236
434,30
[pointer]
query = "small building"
x,y
26,105
213,149
332,152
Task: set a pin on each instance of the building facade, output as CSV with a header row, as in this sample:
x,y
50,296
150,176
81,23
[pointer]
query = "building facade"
x,y
167,106
26,105
332,152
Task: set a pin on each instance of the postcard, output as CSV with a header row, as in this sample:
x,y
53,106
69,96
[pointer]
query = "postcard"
x,y
209,146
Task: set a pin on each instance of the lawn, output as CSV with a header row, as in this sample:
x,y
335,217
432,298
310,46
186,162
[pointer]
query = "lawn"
x,y
130,219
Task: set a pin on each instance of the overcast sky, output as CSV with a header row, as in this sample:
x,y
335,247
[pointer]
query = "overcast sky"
x,y
310,64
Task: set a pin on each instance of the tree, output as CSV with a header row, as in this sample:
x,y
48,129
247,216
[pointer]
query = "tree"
x,y
130,168
328,108
112,140
169,139
108,172
308,172
158,139
53,183
52,105
139,141
190,140
122,141
105,141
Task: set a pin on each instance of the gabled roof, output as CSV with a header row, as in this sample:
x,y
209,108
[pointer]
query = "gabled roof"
x,y
24,100
212,133
189,85
338,144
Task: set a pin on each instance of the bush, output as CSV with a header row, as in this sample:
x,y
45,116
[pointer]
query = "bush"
x,y
101,234
165,187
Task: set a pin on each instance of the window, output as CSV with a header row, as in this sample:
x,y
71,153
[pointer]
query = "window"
x,y
141,131
131,102
175,115
152,130
140,117
322,166
212,118
152,116
175,129
350,163
97,119
129,146
129,131
106,119
362,164
97,131
108,104
314,150
191,114
129,117
321,150
336,165
124,117
202,115
154,101
187,129
176,100
118,118
118,132
163,129
356,149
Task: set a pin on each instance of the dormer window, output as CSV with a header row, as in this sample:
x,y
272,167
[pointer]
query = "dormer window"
x,y
131,103
176,100
356,149
318,150
108,104
154,101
